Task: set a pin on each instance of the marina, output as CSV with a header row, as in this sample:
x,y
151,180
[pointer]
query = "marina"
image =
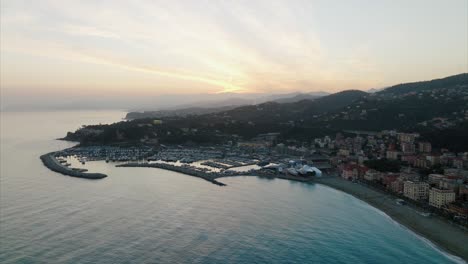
x,y
206,163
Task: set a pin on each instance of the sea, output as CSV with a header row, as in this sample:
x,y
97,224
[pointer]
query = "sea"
x,y
148,215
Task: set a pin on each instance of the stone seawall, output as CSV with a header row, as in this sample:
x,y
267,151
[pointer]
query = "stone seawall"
x,y
51,162
211,177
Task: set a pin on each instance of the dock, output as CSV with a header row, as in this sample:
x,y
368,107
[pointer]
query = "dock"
x,y
208,176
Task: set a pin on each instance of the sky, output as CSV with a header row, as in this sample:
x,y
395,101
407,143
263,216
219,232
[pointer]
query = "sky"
x,y
52,50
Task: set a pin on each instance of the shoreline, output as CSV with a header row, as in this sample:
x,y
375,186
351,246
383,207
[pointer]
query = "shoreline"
x,y
440,233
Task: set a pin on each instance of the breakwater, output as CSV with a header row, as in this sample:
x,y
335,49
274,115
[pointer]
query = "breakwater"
x,y
208,176
212,176
51,162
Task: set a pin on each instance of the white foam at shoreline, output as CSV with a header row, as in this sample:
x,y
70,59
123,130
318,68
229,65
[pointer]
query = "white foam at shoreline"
x,y
446,254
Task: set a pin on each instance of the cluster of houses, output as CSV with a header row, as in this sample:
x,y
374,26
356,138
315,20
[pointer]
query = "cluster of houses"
x,y
447,189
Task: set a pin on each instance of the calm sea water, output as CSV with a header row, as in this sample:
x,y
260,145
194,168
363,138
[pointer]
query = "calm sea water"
x,y
143,215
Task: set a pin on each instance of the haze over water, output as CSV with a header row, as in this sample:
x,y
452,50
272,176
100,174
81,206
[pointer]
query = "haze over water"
x,y
141,215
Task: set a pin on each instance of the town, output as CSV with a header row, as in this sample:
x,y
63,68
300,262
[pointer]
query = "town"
x,y
405,166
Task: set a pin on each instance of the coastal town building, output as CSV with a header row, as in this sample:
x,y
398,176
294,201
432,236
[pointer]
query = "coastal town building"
x,y
349,173
388,178
416,190
450,182
408,158
344,152
372,175
435,178
440,197
463,192
458,208
353,171
407,137
392,154
420,162
425,147
397,185
433,159
408,148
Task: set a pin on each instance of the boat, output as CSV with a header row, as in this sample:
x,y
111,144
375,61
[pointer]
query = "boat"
x,y
400,201
292,171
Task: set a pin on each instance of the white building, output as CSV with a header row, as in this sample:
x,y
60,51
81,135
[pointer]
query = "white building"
x,y
440,197
416,190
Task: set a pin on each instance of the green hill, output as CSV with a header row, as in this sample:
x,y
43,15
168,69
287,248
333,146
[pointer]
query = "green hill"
x,y
432,107
447,82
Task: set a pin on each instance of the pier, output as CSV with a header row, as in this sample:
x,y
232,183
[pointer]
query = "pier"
x,y
209,176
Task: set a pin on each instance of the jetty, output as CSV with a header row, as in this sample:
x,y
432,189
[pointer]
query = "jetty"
x,y
51,162
212,176
208,176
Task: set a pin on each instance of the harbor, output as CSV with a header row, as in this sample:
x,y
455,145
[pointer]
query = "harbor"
x,y
208,163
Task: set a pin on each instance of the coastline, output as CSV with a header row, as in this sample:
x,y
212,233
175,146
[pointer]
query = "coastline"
x,y
439,232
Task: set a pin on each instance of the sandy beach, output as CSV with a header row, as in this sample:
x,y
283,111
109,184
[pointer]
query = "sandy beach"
x,y
440,232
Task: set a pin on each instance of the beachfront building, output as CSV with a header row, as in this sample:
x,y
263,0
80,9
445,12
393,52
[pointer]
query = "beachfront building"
x,y
416,190
353,171
349,172
440,197
372,175
397,185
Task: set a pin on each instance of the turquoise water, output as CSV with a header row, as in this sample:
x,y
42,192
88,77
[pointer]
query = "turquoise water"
x,y
142,215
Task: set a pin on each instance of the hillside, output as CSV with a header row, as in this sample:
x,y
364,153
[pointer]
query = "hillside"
x,y
300,97
209,107
447,82
431,111
273,112
183,112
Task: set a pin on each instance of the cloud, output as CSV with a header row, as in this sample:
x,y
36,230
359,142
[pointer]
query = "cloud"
x,y
231,46
89,31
